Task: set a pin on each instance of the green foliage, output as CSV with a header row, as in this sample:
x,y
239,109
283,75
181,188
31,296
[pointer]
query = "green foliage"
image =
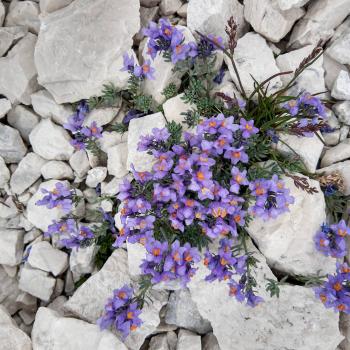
x,y
104,241
310,281
337,206
93,146
192,118
143,103
119,127
170,91
110,97
273,286
175,131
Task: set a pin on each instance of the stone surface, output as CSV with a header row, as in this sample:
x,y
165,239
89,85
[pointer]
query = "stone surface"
x,y
117,158
266,17
309,149
9,36
182,312
11,246
24,13
209,342
80,163
51,141
74,73
23,119
332,68
287,242
137,128
336,154
44,257
53,332
159,342
81,261
2,13
48,6
5,107
342,110
173,109
340,48
4,173
253,57
188,341
19,63
37,283
341,87
149,3
12,148
289,4
96,176
169,7
319,22
56,169
27,172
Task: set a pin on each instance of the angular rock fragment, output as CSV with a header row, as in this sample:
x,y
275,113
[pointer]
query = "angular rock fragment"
x,y
11,246
12,148
340,48
289,4
9,36
336,154
96,176
56,169
117,157
48,6
80,163
5,107
188,341
342,110
4,173
341,87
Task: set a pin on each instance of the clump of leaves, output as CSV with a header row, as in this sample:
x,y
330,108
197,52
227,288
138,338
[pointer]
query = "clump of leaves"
x,y
110,97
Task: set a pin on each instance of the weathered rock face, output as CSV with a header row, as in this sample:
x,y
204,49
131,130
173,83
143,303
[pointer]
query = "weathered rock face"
x,y
17,71
47,6
4,173
11,246
5,107
173,109
2,13
287,241
266,18
56,169
53,332
188,341
289,4
92,55
12,148
10,35
336,154
340,48
117,157
341,87
342,110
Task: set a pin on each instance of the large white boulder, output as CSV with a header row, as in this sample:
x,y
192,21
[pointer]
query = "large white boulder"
x,y
92,55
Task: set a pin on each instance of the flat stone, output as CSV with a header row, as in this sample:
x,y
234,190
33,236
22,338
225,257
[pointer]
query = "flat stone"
x,y
48,6
11,246
339,49
253,57
51,141
79,162
309,149
56,169
51,332
5,107
75,73
27,172
12,148
9,36
37,283
279,239
44,257
24,13
266,17
342,110
18,72
96,176
117,158
23,119
341,87
336,154
137,128
289,4
4,173
188,341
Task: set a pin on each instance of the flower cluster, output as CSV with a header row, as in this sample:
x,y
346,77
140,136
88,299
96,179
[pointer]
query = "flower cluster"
x,y
82,134
121,311
331,240
145,71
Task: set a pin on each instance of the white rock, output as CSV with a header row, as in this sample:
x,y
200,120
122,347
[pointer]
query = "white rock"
x,y
182,312
117,158
209,342
344,133
5,107
55,169
51,141
24,13
47,6
45,105
8,292
11,246
173,109
81,261
19,63
279,239
102,116
27,172
309,149
159,342
12,148
275,324
149,3
267,19
341,88
312,78
37,283
11,337
331,138
44,257
137,128
4,173
75,73
289,4
169,7
188,341
2,13
8,210
340,48
9,36
136,254
23,119
336,154
80,163
27,301
332,68
253,57
111,188
342,110
53,332
96,176
110,139
210,16
319,22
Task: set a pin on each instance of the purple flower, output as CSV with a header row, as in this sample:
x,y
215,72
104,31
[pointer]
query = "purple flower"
x,y
78,237
128,63
239,178
236,155
248,128
75,121
292,106
145,70
92,131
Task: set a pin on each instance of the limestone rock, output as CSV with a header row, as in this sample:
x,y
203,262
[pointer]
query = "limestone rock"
x,y
137,128
51,332
8,292
341,87
44,257
169,7
266,17
4,173
102,116
289,4
11,246
27,172
56,169
12,148
209,342
173,109
279,239
2,13
81,261
9,36
336,154
110,139
340,48
96,176
319,22
117,157
24,13
51,141
5,107
37,283
74,73
23,119
159,342
19,64
253,57
48,6
332,69
342,110
80,163
188,341
149,3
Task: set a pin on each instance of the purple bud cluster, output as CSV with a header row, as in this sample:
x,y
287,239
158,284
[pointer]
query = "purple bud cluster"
x,y
82,134
121,311
145,71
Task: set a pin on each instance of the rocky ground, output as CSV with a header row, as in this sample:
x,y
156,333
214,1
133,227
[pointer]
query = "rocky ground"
x,y
56,52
